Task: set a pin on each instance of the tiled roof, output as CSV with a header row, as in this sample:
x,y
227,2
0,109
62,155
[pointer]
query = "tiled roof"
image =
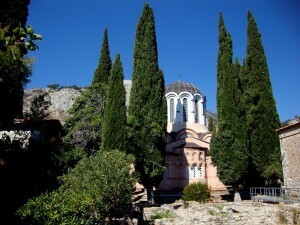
x,y
179,87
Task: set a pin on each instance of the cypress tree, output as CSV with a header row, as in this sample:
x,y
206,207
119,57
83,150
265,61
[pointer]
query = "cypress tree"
x,y
84,127
114,123
260,110
211,126
103,70
147,108
228,148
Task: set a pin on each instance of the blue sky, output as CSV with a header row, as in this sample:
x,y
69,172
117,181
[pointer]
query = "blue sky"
x,y
187,38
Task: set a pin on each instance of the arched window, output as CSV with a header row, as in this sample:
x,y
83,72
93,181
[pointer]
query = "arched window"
x,y
171,112
200,174
196,111
194,172
185,110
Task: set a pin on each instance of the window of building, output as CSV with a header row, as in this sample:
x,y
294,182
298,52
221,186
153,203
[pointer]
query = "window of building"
x,y
166,172
187,172
194,172
171,113
200,171
196,111
185,110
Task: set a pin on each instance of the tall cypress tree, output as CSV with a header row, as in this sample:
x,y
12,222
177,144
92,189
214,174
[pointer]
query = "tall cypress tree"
x,y
114,123
84,127
103,70
227,145
147,108
260,110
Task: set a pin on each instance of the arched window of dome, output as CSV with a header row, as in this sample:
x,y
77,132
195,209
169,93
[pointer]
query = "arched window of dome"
x,y
171,110
185,110
197,111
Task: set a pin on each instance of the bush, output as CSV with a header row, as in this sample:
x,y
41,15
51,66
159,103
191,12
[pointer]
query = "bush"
x,y
97,189
161,215
53,86
196,192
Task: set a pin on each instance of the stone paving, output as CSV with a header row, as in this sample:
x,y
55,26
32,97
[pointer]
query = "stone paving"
x,y
225,213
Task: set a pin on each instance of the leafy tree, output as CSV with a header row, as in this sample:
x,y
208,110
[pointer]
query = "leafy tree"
x,y
15,70
228,145
13,13
53,86
39,107
114,131
13,76
98,188
147,107
84,127
28,164
19,41
102,72
260,109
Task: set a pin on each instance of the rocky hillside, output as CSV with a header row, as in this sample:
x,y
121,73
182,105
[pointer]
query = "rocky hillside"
x,y
61,99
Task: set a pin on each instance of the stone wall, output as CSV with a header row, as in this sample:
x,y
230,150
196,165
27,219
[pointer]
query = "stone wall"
x,y
290,153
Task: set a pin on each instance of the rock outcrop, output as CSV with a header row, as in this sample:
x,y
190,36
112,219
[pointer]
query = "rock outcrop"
x,y
61,101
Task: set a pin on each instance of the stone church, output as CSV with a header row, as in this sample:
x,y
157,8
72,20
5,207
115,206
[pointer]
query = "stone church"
x,y
187,151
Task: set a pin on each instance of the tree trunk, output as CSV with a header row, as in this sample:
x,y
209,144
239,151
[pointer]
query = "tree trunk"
x,y
150,197
237,196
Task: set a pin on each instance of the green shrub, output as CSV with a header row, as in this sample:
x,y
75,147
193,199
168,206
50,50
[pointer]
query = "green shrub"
x,y
161,215
97,189
53,86
196,192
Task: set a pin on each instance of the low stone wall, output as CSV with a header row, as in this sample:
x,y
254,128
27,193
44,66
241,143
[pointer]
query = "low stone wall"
x,y
241,213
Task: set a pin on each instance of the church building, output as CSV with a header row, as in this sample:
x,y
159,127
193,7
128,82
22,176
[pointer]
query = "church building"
x,y
187,151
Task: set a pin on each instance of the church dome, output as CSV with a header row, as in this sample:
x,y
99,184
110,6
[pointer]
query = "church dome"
x,y
179,87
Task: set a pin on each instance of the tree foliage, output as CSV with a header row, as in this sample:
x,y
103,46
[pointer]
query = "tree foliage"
x,y
14,75
39,107
15,70
102,72
246,146
211,125
262,119
114,133
196,192
147,107
228,147
98,188
28,164
84,127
